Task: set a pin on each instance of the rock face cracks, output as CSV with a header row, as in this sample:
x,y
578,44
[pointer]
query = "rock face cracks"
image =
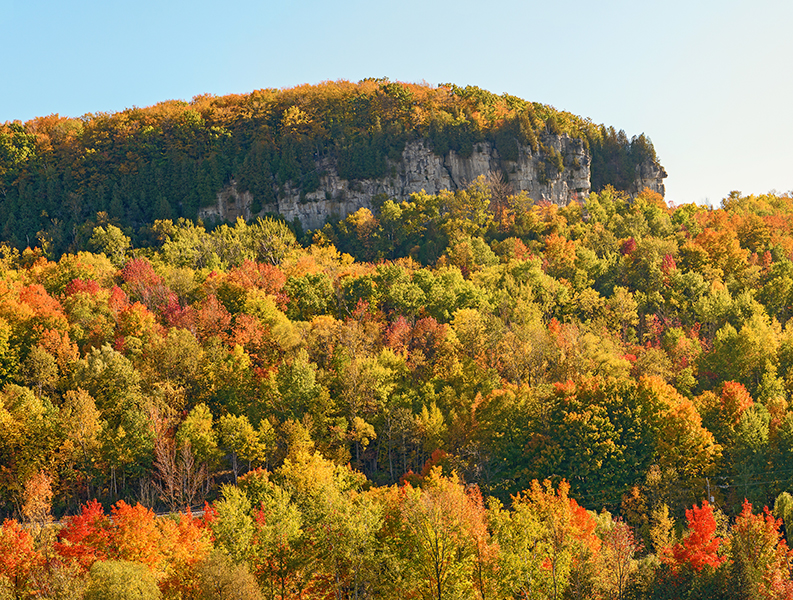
x,y
536,173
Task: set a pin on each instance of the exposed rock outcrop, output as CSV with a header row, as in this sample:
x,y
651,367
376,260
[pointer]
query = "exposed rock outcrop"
x,y
536,173
651,175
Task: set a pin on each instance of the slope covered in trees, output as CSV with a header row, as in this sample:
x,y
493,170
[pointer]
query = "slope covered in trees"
x,y
169,160
381,406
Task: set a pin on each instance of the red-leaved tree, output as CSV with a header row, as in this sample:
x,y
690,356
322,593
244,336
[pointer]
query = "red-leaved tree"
x,y
699,548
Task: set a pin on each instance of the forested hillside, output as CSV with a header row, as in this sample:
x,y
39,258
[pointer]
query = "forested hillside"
x,y
462,395
170,160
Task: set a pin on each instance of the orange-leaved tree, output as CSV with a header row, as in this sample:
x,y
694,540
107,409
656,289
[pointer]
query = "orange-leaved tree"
x,y
19,559
700,546
84,537
762,560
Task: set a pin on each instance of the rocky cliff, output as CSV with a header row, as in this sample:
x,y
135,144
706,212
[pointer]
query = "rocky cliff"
x,y
649,174
536,173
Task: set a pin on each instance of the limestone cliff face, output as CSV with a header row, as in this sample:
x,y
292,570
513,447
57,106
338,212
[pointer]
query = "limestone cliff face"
x,y
648,175
421,169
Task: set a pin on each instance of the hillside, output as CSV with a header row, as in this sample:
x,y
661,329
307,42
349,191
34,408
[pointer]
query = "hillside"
x,y
465,391
308,153
539,384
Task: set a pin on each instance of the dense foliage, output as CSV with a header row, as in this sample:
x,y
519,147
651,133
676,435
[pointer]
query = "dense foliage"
x,y
168,160
428,400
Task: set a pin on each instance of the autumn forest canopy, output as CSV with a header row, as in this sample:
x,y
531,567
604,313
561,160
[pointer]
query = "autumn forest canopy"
x,y
466,394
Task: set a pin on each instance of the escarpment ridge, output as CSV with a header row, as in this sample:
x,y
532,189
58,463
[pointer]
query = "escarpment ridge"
x,y
309,153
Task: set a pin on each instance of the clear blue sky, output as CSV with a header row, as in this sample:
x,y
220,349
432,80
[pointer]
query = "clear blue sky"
x,y
710,82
